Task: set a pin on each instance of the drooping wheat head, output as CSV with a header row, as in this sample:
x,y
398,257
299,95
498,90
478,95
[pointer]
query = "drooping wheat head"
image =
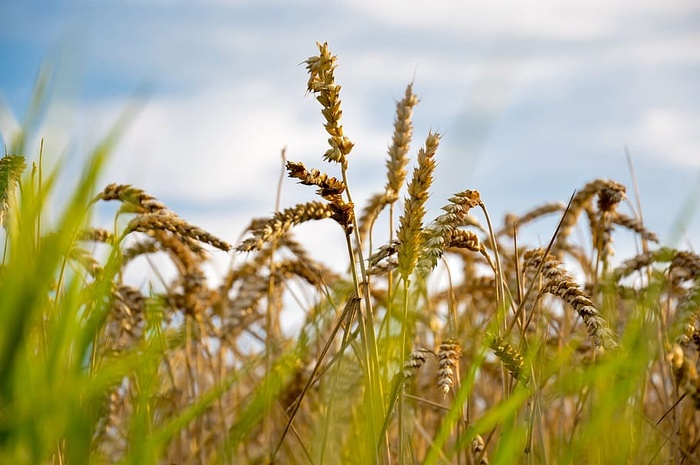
x,y
133,199
558,282
582,202
167,221
273,228
444,227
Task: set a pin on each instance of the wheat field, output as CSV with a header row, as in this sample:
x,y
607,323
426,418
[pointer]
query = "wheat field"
x,y
449,342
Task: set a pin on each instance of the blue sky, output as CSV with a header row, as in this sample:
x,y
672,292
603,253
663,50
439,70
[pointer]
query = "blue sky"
x,y
533,98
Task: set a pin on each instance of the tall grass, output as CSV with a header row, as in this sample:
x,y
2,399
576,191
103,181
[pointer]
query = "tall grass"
x,y
450,343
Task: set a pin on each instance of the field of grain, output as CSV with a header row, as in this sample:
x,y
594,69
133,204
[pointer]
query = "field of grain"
x,y
450,342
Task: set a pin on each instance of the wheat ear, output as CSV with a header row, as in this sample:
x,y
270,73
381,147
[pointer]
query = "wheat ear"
x,y
134,200
582,201
167,221
508,355
411,222
267,230
448,364
636,225
11,169
444,228
662,255
322,83
559,283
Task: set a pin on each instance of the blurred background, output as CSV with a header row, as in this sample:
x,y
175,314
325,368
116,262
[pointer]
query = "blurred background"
x,y
533,99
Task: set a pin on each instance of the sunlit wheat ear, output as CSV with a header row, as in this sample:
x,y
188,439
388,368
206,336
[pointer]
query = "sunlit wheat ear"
x,y
167,221
641,261
322,83
684,325
127,322
384,267
396,163
86,260
448,356
508,355
383,252
96,235
134,200
635,225
609,198
558,282
184,251
582,202
464,239
413,363
400,145
328,187
270,229
196,296
252,289
11,169
443,228
478,451
686,264
685,372
409,234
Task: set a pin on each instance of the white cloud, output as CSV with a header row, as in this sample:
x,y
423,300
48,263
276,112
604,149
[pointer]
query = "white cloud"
x,y
578,19
672,135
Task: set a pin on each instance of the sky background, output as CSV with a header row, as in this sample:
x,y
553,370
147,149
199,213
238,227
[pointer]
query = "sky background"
x,y
533,99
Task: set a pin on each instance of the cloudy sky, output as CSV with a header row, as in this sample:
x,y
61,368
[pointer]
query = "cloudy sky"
x,y
533,99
